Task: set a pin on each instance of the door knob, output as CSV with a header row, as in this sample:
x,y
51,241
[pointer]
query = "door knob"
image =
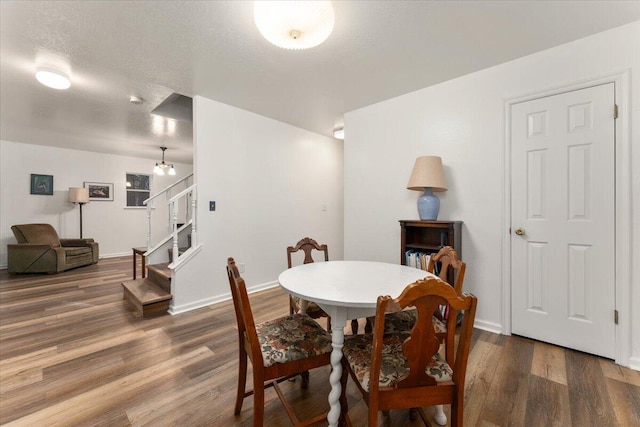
x,y
520,231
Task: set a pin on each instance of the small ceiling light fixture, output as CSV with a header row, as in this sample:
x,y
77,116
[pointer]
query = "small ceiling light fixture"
x,y
53,79
160,167
294,24
338,133
136,100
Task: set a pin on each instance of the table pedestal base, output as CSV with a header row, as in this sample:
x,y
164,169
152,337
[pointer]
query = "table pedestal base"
x,y
337,342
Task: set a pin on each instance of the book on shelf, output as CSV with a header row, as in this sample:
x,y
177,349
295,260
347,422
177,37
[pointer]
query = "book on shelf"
x,y
417,259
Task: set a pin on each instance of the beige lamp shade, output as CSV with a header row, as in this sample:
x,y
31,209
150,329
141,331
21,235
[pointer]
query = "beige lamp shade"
x,y
427,173
78,195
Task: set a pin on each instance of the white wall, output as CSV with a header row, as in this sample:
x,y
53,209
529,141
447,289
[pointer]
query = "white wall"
x,y
114,227
462,120
270,181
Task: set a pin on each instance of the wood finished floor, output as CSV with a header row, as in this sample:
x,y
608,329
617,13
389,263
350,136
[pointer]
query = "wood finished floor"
x,y
73,354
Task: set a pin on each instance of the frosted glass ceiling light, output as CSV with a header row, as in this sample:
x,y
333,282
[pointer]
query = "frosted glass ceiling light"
x,y
160,167
338,133
53,79
294,24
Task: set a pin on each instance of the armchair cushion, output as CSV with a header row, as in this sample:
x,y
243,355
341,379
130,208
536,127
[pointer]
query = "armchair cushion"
x,y
40,250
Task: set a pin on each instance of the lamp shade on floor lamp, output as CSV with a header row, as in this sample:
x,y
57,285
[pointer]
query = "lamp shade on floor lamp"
x,y
428,176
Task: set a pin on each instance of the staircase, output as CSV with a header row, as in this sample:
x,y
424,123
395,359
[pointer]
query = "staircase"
x,y
150,296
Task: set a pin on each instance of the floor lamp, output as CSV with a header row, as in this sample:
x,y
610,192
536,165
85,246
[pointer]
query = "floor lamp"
x,y
79,196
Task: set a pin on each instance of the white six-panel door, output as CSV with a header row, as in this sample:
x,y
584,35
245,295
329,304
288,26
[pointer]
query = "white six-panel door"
x,y
562,201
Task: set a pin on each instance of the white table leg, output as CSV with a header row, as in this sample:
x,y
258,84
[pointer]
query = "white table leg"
x,y
337,342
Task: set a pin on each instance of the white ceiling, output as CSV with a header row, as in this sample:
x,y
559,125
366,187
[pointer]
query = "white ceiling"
x,y
378,50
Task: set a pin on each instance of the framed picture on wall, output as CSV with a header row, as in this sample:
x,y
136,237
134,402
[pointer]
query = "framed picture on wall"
x,y
138,189
100,191
42,184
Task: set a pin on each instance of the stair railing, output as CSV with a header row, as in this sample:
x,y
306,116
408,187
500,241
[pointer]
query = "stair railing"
x,y
167,192
187,193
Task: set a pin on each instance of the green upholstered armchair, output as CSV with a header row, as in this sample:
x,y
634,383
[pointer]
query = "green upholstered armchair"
x,y
40,250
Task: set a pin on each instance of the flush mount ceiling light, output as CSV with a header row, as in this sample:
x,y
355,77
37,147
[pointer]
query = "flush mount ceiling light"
x,y
294,24
160,167
338,133
53,79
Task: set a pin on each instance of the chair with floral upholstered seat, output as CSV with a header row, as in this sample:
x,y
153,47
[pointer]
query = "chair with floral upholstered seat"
x,y
278,349
404,369
451,270
308,246
296,305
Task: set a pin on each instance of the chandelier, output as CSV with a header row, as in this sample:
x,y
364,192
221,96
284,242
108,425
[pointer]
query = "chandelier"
x,y
294,24
160,167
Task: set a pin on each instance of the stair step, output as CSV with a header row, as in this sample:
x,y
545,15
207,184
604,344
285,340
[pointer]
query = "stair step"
x,y
146,297
161,270
160,275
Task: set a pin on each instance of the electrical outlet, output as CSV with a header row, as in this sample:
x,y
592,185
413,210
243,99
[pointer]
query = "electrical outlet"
x,y
212,205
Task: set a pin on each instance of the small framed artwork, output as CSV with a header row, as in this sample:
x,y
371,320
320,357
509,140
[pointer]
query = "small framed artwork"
x,y
42,184
100,191
138,189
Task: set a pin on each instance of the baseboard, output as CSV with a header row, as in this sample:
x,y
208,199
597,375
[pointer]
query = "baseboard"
x,y
496,328
216,299
116,255
178,309
634,363
262,287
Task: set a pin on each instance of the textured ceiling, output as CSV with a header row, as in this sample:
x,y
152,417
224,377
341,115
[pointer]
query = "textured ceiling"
x,y
378,50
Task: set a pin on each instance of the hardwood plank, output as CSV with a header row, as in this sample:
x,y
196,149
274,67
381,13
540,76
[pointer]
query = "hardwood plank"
x,y
549,362
547,403
620,373
83,407
625,398
481,369
590,404
507,397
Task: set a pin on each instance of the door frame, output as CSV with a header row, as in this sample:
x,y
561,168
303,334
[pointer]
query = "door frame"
x,y
622,273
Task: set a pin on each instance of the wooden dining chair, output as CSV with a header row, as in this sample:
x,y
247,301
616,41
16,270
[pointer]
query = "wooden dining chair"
x,y
296,305
278,349
308,246
451,270
405,369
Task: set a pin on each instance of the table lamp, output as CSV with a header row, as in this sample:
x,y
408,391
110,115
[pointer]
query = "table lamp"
x,y
428,176
79,196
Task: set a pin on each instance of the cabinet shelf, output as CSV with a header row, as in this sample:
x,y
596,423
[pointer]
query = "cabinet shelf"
x,y
426,248
429,236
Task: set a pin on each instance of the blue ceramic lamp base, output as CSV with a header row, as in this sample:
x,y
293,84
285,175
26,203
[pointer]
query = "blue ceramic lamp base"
x,y
428,205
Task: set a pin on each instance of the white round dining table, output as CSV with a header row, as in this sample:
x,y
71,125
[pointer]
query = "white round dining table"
x,y
346,290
